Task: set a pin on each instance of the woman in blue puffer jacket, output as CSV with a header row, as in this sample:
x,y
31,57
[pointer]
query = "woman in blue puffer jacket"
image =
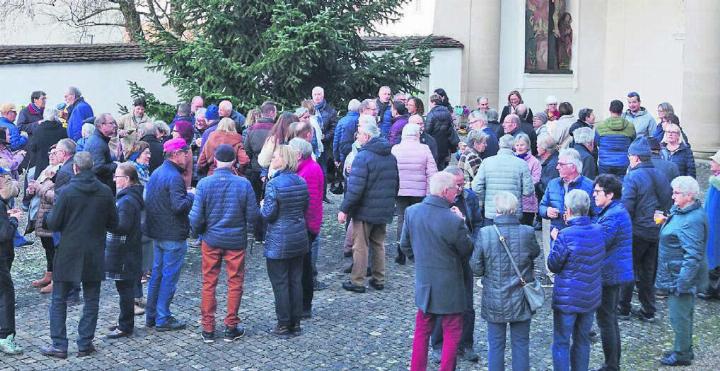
x,y
286,241
576,258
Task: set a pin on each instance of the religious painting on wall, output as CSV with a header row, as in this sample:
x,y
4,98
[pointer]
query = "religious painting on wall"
x,y
548,37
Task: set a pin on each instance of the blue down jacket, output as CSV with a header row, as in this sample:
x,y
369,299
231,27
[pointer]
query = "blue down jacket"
x,y
167,204
224,206
644,191
576,257
617,266
555,197
286,199
348,121
681,250
372,184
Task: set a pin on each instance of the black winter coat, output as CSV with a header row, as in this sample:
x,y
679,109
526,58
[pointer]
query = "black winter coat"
x,y
440,126
47,134
103,165
372,184
84,211
8,226
123,246
156,151
645,190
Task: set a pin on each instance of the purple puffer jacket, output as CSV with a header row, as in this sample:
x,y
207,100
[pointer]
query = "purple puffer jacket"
x,y
530,203
415,166
398,123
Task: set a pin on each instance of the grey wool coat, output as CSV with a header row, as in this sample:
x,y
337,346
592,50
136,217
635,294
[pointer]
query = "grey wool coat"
x,y
439,241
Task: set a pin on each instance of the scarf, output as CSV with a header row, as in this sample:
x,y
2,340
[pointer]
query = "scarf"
x,y
34,110
523,155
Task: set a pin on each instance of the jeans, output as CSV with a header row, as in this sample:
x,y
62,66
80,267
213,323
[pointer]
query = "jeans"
x,y
235,266
126,290
7,293
308,277
468,329
49,246
680,311
519,340
645,255
368,236
286,277
88,320
168,261
576,326
452,330
607,321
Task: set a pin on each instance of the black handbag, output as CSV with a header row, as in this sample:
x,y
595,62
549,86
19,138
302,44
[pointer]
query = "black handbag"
x,y
534,292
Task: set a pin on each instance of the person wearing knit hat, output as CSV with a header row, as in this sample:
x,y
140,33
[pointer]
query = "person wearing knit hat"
x,y
168,202
552,112
645,190
222,211
539,123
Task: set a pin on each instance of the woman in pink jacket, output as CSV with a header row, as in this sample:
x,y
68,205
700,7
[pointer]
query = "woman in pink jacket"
x,y
529,203
311,172
415,167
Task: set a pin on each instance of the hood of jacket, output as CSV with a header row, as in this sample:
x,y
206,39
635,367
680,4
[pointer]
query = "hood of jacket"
x,y
641,112
617,123
86,182
378,146
134,193
695,205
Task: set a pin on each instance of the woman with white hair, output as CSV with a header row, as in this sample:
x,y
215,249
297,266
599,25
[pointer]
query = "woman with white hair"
x,y
681,252
415,167
503,301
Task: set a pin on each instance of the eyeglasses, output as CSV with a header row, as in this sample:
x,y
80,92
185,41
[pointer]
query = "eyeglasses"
x,y
120,176
564,163
596,191
672,132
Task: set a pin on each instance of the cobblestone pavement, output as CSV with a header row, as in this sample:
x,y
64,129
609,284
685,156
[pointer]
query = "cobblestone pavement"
x,y
348,331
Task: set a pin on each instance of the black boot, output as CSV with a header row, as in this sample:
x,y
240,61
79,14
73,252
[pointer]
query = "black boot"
x,y
400,258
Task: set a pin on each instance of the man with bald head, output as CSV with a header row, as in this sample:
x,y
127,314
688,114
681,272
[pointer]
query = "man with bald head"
x,y
196,102
327,119
513,125
384,113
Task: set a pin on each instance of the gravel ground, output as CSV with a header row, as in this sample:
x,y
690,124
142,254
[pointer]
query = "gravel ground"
x,y
348,331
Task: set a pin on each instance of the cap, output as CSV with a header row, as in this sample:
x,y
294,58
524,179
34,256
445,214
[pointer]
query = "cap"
x,y
176,144
225,153
551,99
640,147
716,157
7,107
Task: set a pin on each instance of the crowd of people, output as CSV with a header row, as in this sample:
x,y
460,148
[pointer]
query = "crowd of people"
x,y
616,202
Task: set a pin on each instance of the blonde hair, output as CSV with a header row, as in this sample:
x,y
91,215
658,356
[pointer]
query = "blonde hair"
x,y
289,155
227,125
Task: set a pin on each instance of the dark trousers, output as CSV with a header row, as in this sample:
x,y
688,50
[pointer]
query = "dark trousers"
x,y
468,328
680,311
403,202
607,321
527,219
126,291
88,320
7,293
259,188
286,277
49,246
645,255
308,277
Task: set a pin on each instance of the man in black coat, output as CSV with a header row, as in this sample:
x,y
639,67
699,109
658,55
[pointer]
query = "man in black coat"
x,y
46,134
83,213
97,146
370,203
440,126
439,250
151,136
65,149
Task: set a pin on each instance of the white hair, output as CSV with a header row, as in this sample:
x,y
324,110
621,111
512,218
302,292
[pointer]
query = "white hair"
x,y
441,181
584,135
74,91
477,116
481,98
505,203
50,114
578,202
200,112
87,130
411,130
507,141
302,146
522,137
354,105
226,104
686,185
318,88
476,136
551,99
369,128
573,157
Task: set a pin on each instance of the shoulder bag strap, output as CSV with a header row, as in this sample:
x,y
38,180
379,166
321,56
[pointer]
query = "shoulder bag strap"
x,y
507,250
